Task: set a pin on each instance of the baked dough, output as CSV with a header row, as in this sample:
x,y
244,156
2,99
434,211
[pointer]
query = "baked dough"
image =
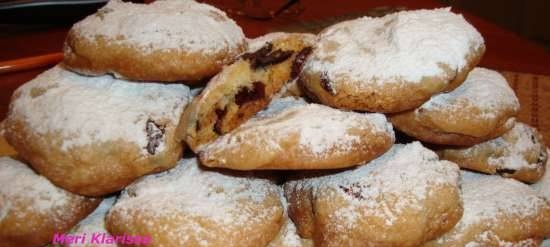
x,y
482,108
95,135
292,134
543,185
93,224
170,40
392,63
32,209
497,212
192,206
404,198
245,87
519,153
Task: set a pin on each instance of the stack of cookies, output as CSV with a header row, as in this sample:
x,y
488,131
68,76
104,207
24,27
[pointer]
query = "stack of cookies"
x,y
165,126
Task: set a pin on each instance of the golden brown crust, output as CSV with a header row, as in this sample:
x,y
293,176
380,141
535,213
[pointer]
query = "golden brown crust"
x,y
308,136
96,58
35,210
521,156
349,209
93,170
192,206
422,128
389,97
238,92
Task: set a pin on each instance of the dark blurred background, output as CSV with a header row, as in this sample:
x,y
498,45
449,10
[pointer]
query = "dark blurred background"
x,y
530,19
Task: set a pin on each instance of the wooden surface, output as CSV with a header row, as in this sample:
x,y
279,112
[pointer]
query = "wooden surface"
x,y
505,50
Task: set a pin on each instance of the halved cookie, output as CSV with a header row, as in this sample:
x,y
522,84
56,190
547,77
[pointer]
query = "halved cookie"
x,y
244,87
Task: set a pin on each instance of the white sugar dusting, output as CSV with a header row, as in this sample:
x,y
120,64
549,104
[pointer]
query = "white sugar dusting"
x,y
516,144
392,48
188,192
488,197
86,110
408,172
320,128
512,149
94,223
161,25
19,183
543,185
483,88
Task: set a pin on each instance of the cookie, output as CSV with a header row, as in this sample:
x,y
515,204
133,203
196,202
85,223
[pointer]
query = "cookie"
x,y
192,206
167,40
404,198
95,135
480,109
91,231
391,63
543,185
497,212
244,87
519,153
32,209
292,134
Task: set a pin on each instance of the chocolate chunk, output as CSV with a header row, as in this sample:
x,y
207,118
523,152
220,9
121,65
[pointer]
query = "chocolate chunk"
x,y
262,52
505,171
275,57
246,94
299,61
218,125
326,84
533,140
266,56
353,190
155,133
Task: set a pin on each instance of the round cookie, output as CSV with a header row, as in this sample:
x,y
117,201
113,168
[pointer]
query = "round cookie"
x,y
93,227
192,206
291,134
519,153
392,63
32,209
95,135
497,212
404,198
245,87
480,109
168,40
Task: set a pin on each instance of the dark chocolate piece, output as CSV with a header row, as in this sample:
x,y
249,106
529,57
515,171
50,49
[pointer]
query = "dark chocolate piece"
x,y
299,61
220,114
326,84
155,134
250,94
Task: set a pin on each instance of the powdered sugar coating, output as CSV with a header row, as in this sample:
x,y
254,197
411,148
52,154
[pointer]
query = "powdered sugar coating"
x,y
94,224
484,89
488,198
85,110
543,185
320,128
408,172
19,183
516,144
392,48
197,198
161,25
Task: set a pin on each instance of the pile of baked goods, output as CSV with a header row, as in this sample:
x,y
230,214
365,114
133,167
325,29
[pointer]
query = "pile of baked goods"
x,y
290,137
